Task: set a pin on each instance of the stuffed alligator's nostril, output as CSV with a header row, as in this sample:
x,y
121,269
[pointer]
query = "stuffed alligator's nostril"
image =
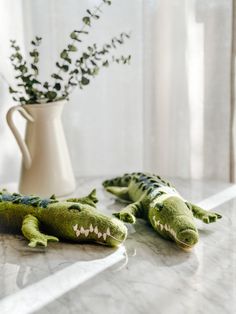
x,y
187,240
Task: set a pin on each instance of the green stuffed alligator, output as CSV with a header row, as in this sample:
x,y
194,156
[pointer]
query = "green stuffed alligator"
x,y
155,200
74,219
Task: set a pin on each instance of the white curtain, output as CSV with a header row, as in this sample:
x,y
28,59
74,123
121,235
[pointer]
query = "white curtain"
x,y
187,87
169,112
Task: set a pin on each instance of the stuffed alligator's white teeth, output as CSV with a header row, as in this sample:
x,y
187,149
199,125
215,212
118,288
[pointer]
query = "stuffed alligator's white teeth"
x,y
91,229
75,227
161,226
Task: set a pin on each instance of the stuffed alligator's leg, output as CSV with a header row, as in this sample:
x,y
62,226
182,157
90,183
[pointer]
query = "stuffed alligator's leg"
x,y
90,199
121,192
204,215
30,229
129,213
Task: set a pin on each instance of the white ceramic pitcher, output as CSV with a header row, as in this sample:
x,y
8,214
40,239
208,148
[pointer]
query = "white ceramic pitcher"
x,y
46,166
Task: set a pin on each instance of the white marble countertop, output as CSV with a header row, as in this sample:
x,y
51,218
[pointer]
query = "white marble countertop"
x,y
146,275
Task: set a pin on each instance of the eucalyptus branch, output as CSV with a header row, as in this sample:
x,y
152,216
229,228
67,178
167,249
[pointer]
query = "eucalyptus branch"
x,y
82,80
79,72
35,55
19,65
90,62
75,36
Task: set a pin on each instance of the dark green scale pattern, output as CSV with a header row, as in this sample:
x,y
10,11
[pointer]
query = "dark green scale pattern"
x,y
30,200
145,181
148,182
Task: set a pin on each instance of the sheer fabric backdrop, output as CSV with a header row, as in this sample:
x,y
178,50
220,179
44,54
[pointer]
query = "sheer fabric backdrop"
x,y
187,87
169,112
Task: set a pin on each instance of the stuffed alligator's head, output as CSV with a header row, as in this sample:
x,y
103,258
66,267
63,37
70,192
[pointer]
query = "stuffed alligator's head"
x,y
77,219
89,224
171,217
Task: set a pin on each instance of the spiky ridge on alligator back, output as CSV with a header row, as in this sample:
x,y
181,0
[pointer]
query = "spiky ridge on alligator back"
x,y
156,200
74,219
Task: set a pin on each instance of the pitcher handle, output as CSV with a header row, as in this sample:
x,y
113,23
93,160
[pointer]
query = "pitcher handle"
x,y
22,145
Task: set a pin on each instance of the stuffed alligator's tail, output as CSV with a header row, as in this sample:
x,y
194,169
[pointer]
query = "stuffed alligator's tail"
x,y
118,181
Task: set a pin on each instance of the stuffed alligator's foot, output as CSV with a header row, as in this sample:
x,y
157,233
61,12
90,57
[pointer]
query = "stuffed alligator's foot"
x,y
204,215
210,217
126,217
129,213
30,229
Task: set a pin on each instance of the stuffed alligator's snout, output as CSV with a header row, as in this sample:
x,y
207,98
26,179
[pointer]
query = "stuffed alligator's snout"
x,y
187,238
118,233
99,228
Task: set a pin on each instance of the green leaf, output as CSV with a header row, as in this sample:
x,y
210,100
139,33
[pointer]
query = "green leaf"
x,y
64,54
74,36
22,100
34,53
93,62
68,60
90,49
65,67
87,20
51,95
19,56
57,86
95,71
46,85
34,81
26,79
23,69
75,71
84,80
105,63
58,65
56,76
107,2
35,68
85,55
11,90
38,38
72,48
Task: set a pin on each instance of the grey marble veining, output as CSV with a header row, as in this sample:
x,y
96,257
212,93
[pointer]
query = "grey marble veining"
x,y
155,277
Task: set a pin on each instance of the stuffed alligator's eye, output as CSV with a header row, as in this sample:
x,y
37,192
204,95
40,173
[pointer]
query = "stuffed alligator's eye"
x,y
159,207
75,207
